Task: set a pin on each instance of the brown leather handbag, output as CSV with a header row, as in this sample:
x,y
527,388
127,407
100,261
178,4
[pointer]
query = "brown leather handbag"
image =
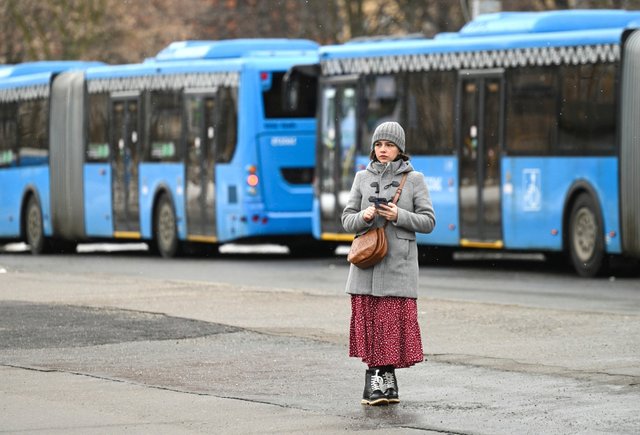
x,y
369,249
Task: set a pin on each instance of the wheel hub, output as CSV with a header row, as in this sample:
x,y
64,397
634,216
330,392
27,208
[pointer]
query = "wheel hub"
x,y
34,225
584,234
167,225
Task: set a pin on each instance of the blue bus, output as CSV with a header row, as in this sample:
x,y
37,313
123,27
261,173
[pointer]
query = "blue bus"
x,y
197,145
525,125
25,92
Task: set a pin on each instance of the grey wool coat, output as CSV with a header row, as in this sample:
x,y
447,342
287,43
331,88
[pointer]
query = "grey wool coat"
x,y
397,273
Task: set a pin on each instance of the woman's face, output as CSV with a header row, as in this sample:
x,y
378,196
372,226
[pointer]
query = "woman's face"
x,y
386,151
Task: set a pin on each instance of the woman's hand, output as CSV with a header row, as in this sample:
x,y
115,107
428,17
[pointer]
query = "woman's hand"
x,y
369,213
389,211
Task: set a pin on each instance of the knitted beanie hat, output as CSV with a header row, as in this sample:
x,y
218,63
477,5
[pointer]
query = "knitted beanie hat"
x,y
391,131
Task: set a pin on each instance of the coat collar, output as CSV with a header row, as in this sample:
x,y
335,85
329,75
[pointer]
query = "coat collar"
x,y
395,168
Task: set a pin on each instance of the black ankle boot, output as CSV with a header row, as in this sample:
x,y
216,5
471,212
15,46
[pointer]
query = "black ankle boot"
x,y
390,384
373,384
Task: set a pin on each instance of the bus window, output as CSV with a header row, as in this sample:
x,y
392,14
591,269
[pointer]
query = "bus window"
x,y
531,110
33,145
382,103
8,134
347,119
98,144
226,131
430,112
337,151
273,95
165,126
587,117
328,118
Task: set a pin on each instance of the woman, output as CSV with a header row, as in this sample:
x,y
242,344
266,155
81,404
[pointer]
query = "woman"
x,y
384,329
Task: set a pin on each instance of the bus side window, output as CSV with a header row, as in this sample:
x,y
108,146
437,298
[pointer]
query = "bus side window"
x,y
226,131
382,102
430,112
33,143
97,149
587,117
532,110
8,135
165,126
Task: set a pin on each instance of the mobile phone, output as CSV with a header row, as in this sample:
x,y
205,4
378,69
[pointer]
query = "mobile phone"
x,y
378,201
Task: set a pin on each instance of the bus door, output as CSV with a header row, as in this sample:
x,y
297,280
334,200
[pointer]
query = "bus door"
x,y
336,159
200,166
479,142
125,152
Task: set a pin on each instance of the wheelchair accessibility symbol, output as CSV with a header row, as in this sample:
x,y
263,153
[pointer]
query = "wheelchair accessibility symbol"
x,y
532,190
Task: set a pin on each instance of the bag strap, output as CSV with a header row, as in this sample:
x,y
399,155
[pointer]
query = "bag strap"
x,y
396,197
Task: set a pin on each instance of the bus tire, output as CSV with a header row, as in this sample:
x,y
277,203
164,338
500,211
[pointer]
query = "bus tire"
x,y
165,228
586,237
33,227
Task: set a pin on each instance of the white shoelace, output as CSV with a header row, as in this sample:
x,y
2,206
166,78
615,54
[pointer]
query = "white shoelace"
x,y
389,380
376,382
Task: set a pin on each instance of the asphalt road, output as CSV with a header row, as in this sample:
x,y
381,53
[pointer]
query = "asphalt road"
x,y
256,343
523,279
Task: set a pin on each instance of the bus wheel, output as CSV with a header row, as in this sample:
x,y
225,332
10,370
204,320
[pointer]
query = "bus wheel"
x,y
166,234
34,231
586,239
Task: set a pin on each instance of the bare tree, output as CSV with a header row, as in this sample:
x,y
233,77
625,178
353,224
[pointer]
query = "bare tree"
x,y
314,19
130,30
59,29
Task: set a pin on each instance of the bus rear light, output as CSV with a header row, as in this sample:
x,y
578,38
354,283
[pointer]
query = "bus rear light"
x,y
452,227
264,76
255,218
554,232
612,234
265,220
252,180
243,218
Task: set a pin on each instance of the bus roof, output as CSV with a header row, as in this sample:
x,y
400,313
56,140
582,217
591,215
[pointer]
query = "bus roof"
x,y
31,73
232,48
150,68
181,71
506,30
230,56
509,23
55,66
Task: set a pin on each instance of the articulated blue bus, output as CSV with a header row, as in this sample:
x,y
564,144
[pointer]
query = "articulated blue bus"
x,y
524,124
194,146
25,92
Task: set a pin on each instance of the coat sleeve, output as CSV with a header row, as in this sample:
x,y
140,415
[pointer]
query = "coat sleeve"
x,y
352,215
423,218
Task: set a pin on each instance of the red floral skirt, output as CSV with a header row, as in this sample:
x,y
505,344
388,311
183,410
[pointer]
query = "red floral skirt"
x,y
384,331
